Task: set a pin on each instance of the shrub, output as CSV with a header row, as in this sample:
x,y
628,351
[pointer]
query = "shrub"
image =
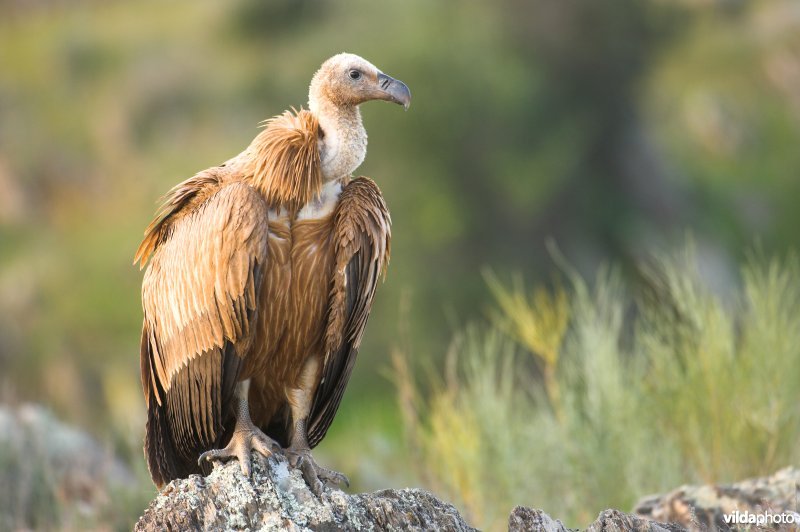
x,y
581,398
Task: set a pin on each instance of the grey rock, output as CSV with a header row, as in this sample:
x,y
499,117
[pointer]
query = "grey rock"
x,y
277,498
704,507
53,475
524,519
614,521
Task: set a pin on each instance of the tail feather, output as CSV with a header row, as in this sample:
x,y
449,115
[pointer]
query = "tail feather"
x,y
162,456
193,416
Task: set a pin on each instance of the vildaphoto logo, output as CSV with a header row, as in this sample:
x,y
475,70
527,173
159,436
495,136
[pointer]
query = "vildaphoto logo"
x,y
761,518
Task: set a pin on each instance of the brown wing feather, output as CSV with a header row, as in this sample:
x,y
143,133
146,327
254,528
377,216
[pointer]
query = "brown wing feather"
x,y
362,232
200,299
180,198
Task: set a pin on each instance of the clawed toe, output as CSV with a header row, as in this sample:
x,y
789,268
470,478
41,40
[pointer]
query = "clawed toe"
x,y
315,475
213,454
333,476
242,443
264,444
239,452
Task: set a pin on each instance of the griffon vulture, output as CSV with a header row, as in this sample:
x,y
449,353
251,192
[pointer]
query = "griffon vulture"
x,y
261,276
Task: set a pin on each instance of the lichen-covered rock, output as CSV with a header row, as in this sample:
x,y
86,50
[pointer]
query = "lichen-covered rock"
x,y
277,498
524,519
705,507
614,521
53,475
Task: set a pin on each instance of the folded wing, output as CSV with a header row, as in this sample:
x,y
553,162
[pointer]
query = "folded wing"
x,y
362,232
208,251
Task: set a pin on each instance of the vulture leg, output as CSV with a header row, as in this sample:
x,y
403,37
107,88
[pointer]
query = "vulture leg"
x,y
299,452
246,436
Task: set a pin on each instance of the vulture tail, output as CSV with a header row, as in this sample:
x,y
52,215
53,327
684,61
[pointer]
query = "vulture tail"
x,y
159,447
192,416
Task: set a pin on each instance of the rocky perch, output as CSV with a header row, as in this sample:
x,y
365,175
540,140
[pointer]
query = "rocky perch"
x,y
277,498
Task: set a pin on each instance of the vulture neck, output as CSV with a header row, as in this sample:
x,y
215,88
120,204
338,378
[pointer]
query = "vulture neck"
x,y
343,142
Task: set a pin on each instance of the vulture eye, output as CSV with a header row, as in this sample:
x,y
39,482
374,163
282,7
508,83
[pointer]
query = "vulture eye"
x,y
355,74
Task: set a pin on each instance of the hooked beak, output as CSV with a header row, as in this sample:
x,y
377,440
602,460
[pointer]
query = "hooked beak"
x,y
394,90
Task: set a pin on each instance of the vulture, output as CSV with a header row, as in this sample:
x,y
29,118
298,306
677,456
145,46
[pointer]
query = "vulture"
x,y
260,278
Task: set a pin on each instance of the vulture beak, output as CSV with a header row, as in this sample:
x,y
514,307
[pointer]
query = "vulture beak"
x,y
394,90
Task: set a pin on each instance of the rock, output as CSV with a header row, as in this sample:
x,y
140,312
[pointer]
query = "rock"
x,y
277,498
705,507
614,521
53,475
524,519
690,508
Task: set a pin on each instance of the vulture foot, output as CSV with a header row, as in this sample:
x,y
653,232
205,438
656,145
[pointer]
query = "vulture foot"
x,y
244,440
314,474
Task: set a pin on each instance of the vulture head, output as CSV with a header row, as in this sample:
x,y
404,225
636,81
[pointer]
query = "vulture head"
x,y
347,80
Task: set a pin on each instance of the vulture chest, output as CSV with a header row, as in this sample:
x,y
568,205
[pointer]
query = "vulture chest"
x,y
294,300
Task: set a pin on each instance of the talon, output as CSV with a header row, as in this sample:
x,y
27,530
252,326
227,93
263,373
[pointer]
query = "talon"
x,y
315,476
208,456
266,448
338,478
246,438
244,463
295,459
311,477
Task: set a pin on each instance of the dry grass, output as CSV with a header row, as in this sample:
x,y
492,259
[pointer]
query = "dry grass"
x,y
627,395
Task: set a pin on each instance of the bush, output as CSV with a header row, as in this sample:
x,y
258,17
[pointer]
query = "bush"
x,y
577,399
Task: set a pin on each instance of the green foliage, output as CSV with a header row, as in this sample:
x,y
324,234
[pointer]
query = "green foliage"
x,y
528,120
670,387
597,123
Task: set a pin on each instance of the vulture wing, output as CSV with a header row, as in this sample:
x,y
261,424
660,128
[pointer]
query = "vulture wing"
x,y
361,242
200,293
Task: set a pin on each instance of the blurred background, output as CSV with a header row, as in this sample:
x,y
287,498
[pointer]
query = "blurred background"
x,y
611,130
